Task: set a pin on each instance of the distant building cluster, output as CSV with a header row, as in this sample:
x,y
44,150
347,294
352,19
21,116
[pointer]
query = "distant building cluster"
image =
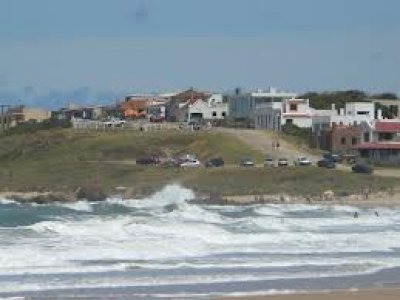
x,y
359,127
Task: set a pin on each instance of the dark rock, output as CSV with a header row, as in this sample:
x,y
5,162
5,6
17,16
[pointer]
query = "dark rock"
x,y
42,198
91,193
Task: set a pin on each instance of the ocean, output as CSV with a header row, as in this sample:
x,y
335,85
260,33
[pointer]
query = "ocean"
x,y
164,247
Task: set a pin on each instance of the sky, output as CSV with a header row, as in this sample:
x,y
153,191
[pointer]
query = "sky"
x,y
54,51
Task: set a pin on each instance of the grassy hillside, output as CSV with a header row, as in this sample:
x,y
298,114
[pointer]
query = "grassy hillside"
x,y
63,160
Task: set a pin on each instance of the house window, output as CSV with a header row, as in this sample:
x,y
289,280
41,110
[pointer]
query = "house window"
x,y
214,114
293,107
354,141
288,121
366,137
362,113
224,114
343,141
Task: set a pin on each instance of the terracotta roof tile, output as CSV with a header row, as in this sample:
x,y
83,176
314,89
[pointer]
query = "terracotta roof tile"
x,y
384,146
387,126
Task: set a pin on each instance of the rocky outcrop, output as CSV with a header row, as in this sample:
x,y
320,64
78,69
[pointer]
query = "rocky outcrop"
x,y
39,197
91,193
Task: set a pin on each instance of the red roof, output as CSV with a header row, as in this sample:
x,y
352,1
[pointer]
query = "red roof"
x,y
382,146
387,126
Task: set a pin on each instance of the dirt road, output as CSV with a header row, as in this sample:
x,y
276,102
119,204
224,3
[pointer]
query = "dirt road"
x,y
265,141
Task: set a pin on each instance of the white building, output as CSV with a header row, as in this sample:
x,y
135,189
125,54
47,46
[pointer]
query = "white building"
x,y
244,105
289,111
354,113
213,108
298,112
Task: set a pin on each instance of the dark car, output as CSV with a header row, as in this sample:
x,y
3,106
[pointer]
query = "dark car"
x,y
246,162
361,168
215,162
157,119
336,158
148,160
326,163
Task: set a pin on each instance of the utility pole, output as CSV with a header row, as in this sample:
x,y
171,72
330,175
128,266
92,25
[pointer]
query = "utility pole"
x,y
3,118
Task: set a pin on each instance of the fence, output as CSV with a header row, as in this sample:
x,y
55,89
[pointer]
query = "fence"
x,y
81,124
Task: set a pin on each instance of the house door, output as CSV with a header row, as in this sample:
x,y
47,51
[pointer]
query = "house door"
x,y
196,117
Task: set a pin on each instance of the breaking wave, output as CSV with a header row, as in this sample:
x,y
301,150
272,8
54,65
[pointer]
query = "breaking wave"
x,y
164,240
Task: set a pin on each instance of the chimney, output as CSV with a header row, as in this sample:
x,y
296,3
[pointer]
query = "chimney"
x,y
341,112
333,106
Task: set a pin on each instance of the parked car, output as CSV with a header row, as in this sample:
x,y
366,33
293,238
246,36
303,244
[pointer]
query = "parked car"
x,y
246,162
113,122
326,163
148,160
269,162
157,119
215,162
187,157
337,158
283,162
362,168
302,161
190,163
170,162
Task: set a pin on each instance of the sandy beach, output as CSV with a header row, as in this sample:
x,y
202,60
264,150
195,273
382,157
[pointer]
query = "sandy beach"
x,y
364,200
379,294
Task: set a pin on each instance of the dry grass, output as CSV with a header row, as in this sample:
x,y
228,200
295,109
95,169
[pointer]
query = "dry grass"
x,y
63,160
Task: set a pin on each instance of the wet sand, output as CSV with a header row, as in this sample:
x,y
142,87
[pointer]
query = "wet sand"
x,y
378,294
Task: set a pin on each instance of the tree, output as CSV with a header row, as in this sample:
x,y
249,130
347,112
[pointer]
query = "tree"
x,y
388,112
325,100
387,96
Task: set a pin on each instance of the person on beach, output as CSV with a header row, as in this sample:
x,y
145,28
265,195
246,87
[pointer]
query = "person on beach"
x,y
355,216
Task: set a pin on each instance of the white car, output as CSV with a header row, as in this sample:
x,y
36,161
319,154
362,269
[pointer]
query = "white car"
x,y
269,162
190,163
113,122
302,161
